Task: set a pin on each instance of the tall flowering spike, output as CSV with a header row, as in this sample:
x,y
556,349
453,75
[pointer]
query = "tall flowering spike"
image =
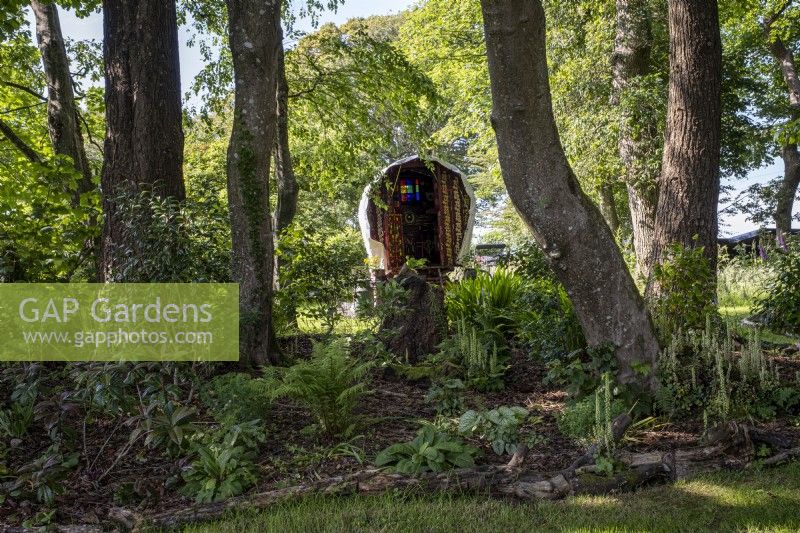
x,y
782,242
762,253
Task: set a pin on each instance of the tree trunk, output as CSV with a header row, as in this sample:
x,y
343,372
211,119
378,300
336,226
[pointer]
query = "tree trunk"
x,y
284,170
788,189
23,147
62,113
144,133
791,156
254,36
608,207
546,193
631,62
689,185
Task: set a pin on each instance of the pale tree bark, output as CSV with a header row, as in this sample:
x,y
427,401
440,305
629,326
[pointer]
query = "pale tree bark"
x,y
144,133
254,34
791,156
608,207
62,113
630,62
690,174
569,227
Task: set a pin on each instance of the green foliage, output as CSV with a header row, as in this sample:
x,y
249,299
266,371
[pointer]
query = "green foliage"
x,y
483,366
15,421
320,269
581,371
330,385
43,478
687,290
741,279
224,464
235,397
779,308
430,451
165,426
500,427
578,419
702,372
486,302
174,242
447,396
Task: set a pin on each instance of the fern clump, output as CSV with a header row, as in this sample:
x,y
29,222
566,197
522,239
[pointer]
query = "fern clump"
x,y
330,385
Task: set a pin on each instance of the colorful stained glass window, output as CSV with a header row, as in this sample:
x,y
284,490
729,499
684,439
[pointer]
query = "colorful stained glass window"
x,y
409,190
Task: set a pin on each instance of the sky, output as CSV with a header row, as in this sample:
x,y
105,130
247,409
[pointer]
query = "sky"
x,y
191,63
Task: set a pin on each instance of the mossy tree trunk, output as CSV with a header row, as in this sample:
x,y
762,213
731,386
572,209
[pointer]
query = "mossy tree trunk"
x,y
254,37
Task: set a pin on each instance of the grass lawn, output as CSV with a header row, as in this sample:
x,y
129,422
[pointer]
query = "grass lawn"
x,y
734,315
766,500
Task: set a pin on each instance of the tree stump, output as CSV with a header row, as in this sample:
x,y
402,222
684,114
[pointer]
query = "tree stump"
x,y
421,325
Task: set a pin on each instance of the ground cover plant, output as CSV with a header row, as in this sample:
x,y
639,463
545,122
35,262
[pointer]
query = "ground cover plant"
x,y
527,320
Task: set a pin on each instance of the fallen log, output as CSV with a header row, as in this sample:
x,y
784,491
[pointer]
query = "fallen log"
x,y
730,446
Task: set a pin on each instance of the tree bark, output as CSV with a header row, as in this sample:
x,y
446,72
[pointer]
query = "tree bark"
x,y
144,132
284,170
690,174
791,157
254,36
788,189
631,62
608,207
546,193
62,113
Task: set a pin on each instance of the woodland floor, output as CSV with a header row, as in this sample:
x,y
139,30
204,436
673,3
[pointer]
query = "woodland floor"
x,y
293,455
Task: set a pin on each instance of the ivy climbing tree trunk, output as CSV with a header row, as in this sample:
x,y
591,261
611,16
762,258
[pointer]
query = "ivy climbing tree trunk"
x,y
791,156
254,37
62,113
546,193
689,183
286,182
631,63
144,133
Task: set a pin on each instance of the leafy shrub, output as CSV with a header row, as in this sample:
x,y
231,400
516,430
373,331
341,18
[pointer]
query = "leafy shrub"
x,y
499,426
547,322
330,385
581,371
687,290
701,372
320,269
447,396
430,451
165,426
236,397
224,464
174,241
42,478
779,308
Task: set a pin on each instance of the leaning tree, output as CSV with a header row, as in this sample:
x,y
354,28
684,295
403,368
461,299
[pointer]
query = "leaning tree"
x,y
545,191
